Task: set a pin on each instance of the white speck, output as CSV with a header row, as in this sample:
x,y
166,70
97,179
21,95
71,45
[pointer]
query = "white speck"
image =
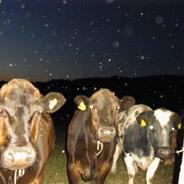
x,y
142,57
67,76
10,65
109,60
50,74
64,2
46,25
115,44
70,45
22,6
151,127
172,46
161,96
159,19
63,151
141,13
84,88
109,1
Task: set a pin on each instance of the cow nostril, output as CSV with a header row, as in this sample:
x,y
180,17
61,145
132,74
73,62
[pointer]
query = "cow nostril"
x,y
29,156
10,157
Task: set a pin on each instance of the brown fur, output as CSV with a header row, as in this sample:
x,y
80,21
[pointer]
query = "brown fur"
x,y
42,130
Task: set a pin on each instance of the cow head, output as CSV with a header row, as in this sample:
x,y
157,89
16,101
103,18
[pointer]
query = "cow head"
x,y
103,107
160,124
21,109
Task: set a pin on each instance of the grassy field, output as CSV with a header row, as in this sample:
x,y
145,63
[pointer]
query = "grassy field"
x,y
55,171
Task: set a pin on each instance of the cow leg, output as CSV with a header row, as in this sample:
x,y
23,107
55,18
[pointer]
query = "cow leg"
x,y
73,174
115,157
152,169
38,179
102,171
131,167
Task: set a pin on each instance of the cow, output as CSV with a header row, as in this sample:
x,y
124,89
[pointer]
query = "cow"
x,y
144,136
26,131
91,137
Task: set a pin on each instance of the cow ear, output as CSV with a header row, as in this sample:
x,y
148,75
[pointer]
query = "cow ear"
x,y
126,102
82,102
143,118
53,101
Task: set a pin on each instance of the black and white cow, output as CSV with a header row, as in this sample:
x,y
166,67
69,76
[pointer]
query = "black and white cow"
x,y
144,137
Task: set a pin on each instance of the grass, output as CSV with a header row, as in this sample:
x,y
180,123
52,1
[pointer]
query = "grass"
x,y
55,171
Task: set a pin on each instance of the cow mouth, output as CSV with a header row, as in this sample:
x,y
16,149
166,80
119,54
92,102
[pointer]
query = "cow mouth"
x,y
17,158
106,134
164,153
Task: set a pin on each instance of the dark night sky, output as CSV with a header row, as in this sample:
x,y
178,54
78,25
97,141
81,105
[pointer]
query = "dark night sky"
x,y
69,39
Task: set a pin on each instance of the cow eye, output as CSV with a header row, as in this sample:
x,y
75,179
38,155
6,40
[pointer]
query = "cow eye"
x,y
172,129
151,127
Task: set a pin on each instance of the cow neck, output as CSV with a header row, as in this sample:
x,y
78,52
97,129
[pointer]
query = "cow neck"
x,y
13,179
91,135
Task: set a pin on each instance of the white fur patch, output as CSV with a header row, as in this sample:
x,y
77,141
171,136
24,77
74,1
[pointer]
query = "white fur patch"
x,y
163,116
52,103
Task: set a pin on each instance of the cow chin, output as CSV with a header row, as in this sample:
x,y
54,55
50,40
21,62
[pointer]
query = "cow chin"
x,y
14,158
106,134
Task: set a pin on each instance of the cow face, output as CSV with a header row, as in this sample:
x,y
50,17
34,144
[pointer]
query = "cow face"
x,y
159,124
21,109
103,107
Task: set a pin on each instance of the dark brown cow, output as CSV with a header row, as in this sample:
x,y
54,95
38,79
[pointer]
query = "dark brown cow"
x,y
91,137
26,131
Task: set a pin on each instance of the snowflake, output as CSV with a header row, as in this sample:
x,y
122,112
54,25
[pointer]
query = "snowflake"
x,y
10,65
64,2
109,1
22,6
67,76
109,60
159,19
142,57
115,44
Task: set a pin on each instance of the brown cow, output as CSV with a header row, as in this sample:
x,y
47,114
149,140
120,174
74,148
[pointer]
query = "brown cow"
x,y
26,131
91,137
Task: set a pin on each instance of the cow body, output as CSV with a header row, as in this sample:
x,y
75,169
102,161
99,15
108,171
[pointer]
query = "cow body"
x,y
145,138
91,137
26,131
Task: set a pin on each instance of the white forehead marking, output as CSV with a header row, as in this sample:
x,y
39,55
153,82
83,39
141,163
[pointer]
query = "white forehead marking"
x,y
163,116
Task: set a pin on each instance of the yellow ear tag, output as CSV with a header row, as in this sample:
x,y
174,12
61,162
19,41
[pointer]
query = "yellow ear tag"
x,y
82,106
179,126
143,123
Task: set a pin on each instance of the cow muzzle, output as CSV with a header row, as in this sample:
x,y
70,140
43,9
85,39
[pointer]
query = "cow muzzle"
x,y
106,134
14,158
164,152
